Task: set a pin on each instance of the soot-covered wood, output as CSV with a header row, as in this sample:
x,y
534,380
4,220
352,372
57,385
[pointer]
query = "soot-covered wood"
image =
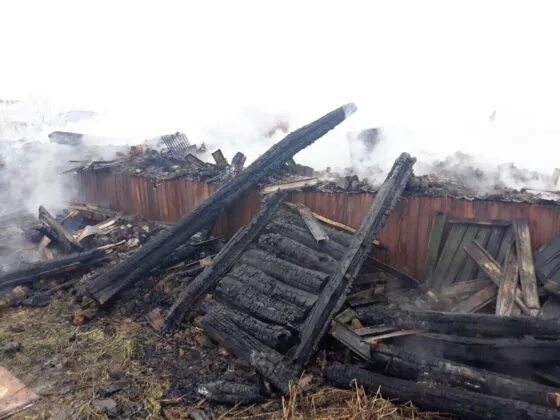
x,y
109,284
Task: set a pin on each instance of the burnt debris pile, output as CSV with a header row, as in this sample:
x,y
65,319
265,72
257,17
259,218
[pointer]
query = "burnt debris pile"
x,y
294,295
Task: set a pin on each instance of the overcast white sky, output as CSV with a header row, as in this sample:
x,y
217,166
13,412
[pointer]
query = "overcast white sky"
x,y
429,72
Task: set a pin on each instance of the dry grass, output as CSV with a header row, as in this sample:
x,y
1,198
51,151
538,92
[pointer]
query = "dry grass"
x,y
331,403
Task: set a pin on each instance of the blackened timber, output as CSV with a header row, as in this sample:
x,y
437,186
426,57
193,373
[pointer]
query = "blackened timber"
x,y
109,284
285,271
477,300
447,399
398,361
298,253
274,336
270,286
225,259
267,361
334,292
258,304
459,324
298,234
465,288
50,268
64,238
231,393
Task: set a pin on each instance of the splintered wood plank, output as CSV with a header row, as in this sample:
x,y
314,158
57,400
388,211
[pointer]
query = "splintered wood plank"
x,y
312,224
488,223
495,272
527,276
449,250
506,292
477,300
460,256
469,268
465,288
434,243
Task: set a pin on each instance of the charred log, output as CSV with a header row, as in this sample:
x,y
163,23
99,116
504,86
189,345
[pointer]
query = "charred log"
x,y
283,227
460,324
51,268
439,398
398,361
230,393
225,259
112,282
274,336
268,285
285,271
296,252
62,236
258,304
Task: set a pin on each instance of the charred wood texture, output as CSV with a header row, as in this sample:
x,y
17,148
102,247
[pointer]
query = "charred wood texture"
x,y
109,284
51,268
222,263
460,324
230,393
263,358
398,361
468,405
274,336
296,252
257,303
283,227
334,293
285,271
268,285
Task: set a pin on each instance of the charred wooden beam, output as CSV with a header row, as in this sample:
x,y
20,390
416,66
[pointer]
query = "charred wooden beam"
x,y
298,234
459,324
403,363
477,300
334,293
230,393
274,336
225,259
253,277
219,158
237,163
294,251
64,238
285,271
465,288
51,268
267,361
109,284
258,304
439,398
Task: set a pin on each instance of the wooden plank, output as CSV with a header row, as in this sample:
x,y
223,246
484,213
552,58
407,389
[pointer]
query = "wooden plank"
x,y
551,308
434,243
527,276
333,295
460,256
65,238
477,300
219,158
350,339
465,288
547,253
394,334
449,250
495,273
365,331
290,186
506,292
469,267
507,241
312,224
